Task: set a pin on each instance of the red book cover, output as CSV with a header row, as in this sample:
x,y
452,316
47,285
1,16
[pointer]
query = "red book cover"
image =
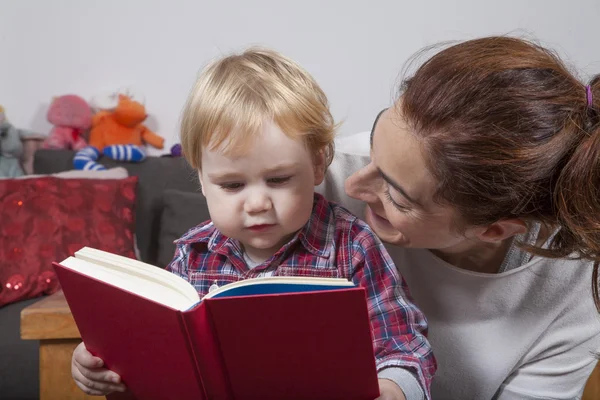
x,y
314,345
309,345
143,341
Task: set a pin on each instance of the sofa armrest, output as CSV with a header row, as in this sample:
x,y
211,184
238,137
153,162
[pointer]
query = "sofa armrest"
x,y
49,318
50,321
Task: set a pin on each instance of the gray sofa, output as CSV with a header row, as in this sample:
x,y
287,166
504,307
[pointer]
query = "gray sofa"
x,y
168,203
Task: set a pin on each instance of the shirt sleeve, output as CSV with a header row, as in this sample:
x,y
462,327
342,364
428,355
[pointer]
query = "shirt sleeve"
x,y
560,370
406,380
398,327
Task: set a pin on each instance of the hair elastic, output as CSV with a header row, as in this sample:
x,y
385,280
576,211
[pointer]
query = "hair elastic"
x,y
588,96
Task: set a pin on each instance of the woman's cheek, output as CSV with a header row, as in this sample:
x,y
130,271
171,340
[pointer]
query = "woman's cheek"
x,y
401,223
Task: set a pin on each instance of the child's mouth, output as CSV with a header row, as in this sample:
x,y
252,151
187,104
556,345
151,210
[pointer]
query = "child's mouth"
x,y
260,228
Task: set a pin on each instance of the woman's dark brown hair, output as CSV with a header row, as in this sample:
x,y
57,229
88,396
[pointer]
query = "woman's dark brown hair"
x,y
510,132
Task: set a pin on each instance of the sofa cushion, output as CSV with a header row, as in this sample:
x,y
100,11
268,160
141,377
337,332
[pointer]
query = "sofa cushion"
x,y
182,211
155,174
47,219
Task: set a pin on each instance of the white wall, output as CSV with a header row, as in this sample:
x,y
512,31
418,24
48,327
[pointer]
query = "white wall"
x,y
354,48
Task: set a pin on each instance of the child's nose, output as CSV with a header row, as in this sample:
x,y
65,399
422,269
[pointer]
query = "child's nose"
x,y
257,202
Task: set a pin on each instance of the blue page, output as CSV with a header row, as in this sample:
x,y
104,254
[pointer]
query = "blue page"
x,y
273,288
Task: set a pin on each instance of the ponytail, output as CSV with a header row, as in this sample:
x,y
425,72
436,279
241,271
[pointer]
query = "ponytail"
x,y
577,190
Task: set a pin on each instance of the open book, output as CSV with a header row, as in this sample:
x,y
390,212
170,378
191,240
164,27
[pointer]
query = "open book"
x,y
267,338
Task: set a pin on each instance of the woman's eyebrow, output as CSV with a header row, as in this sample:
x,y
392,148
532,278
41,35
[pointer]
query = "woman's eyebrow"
x,y
374,125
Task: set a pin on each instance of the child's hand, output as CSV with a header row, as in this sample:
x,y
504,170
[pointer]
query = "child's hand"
x,y
90,376
388,390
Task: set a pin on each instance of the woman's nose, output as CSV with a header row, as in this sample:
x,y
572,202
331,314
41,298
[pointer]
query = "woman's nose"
x,y
363,184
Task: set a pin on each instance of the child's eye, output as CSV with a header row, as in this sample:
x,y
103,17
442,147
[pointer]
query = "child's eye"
x,y
279,180
231,186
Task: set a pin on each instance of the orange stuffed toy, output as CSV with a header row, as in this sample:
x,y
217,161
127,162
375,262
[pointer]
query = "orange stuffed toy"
x,y
118,134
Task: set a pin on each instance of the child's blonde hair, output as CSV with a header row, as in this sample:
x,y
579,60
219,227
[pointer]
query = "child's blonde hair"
x,y
243,91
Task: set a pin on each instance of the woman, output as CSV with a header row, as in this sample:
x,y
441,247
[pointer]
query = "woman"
x,y
484,178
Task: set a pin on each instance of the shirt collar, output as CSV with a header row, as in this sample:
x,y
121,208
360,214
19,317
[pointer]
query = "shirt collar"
x,y
317,235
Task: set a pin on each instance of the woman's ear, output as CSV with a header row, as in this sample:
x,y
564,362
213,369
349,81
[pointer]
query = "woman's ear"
x,y
320,166
500,230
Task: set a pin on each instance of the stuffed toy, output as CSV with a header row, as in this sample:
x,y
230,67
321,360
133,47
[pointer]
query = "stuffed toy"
x,y
71,116
17,147
108,101
176,150
118,134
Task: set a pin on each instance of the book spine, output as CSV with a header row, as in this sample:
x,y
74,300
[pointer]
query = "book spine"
x,y
189,342
207,352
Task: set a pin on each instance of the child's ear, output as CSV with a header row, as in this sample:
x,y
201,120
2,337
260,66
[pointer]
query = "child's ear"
x,y
201,182
320,167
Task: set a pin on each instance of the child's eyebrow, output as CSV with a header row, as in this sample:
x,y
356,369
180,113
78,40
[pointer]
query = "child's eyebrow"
x,y
282,166
223,176
273,169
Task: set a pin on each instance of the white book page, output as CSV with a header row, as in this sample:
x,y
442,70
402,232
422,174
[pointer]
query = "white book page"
x,y
163,276
136,277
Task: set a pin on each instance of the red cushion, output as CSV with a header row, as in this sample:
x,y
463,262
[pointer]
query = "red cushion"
x,y
47,219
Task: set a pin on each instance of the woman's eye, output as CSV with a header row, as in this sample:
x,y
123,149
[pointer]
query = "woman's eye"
x,y
396,205
232,186
279,180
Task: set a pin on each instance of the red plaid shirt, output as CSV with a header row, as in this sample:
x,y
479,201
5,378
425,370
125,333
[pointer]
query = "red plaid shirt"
x,y
333,243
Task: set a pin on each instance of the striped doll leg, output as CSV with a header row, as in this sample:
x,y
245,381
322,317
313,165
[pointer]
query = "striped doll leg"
x,y
85,159
125,152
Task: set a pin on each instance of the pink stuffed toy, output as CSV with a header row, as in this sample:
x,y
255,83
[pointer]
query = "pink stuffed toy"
x,y
71,116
